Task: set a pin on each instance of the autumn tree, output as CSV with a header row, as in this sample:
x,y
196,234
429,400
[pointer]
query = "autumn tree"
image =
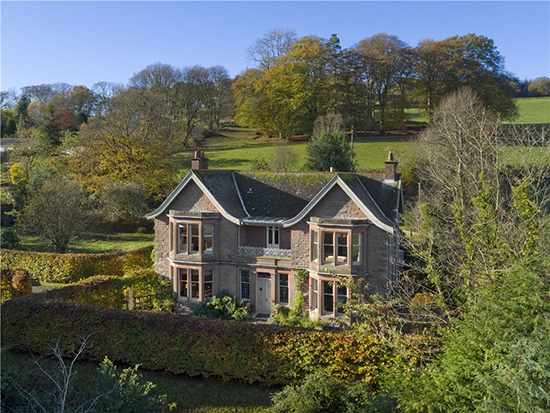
x,y
131,143
539,87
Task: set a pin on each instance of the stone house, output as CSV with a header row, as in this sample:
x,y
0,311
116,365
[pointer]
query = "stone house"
x,y
248,232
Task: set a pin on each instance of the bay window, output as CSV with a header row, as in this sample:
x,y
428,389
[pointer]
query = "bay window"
x,y
208,239
342,248
194,239
182,238
314,294
341,297
328,247
356,249
190,281
328,297
208,284
314,246
335,248
191,237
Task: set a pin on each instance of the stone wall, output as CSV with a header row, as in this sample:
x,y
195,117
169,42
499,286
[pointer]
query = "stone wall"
x,y
299,239
192,199
377,259
336,204
162,247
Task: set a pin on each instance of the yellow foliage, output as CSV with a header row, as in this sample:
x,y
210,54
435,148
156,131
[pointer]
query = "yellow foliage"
x,y
17,174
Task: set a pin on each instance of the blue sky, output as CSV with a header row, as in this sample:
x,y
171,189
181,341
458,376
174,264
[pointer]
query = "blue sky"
x,y
87,42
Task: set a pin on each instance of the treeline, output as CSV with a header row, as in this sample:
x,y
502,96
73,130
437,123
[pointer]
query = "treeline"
x,y
370,84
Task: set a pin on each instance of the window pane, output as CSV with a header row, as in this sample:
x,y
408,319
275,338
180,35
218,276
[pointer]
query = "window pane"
x,y
342,248
208,242
328,297
314,296
194,283
328,247
283,288
342,298
208,283
183,283
245,285
276,235
270,235
182,239
194,238
315,246
356,250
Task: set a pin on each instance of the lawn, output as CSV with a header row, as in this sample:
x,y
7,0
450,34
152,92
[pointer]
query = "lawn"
x,y
239,147
533,110
191,394
93,242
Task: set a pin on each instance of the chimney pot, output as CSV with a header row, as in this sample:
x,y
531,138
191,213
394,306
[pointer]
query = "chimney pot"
x,y
391,167
199,161
331,169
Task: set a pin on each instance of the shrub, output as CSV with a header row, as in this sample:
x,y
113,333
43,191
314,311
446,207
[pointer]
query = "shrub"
x,y
20,283
192,345
295,316
320,392
225,306
9,238
15,283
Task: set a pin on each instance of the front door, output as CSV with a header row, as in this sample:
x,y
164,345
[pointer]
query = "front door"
x,y
263,305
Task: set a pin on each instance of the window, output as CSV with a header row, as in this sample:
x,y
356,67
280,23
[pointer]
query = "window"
x,y
182,238
208,239
183,282
272,237
194,284
208,284
283,288
342,240
341,298
314,293
328,297
194,238
356,249
245,285
328,247
314,246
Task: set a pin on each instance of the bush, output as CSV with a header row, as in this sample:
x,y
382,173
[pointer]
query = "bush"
x,y
320,392
294,317
15,283
9,238
225,306
191,345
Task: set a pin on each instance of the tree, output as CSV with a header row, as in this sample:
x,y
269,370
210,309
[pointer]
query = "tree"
x,y
104,93
43,93
158,76
330,150
133,142
81,102
123,201
283,158
216,96
274,44
56,212
9,123
539,87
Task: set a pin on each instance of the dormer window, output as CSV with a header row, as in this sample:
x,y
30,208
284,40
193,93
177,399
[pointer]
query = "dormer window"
x,y
273,237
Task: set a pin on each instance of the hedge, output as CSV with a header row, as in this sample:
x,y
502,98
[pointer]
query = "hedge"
x,y
179,344
14,283
69,268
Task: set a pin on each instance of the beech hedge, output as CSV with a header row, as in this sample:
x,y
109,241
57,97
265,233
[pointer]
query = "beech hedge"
x,y
69,268
179,344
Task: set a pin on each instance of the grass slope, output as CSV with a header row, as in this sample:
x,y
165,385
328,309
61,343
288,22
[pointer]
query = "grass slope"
x,y
239,147
533,110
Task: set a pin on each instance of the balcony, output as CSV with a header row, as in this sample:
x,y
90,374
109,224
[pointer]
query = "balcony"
x,y
256,252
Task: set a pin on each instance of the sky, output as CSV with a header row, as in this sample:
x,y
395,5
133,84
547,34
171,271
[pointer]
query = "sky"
x,y
82,43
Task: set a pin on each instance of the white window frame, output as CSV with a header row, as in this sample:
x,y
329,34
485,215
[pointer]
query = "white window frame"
x,y
281,286
204,237
357,246
241,283
272,233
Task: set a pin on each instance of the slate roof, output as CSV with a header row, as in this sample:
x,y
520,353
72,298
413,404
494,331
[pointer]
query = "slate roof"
x,y
275,197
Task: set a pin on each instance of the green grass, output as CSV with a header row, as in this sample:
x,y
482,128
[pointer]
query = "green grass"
x,y
92,243
189,393
533,110
238,148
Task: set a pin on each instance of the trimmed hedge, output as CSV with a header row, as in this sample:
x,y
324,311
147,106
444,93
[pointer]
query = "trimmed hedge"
x,y
180,344
69,268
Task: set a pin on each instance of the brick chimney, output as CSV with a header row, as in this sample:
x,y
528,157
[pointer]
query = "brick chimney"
x,y
199,161
391,167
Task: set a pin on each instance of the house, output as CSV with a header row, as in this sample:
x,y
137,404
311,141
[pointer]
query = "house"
x,y
248,232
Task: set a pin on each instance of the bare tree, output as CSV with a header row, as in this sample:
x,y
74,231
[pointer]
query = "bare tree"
x,y
268,49
105,92
156,76
331,122
283,158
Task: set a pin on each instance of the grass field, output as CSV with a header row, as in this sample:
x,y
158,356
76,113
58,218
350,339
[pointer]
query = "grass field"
x,y
533,110
92,243
189,393
239,147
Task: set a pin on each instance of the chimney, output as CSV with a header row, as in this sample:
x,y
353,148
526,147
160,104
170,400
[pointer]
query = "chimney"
x,y
391,167
199,161
331,169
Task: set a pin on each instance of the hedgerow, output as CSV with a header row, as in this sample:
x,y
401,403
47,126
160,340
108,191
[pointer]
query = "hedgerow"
x,y
181,344
69,268
15,283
